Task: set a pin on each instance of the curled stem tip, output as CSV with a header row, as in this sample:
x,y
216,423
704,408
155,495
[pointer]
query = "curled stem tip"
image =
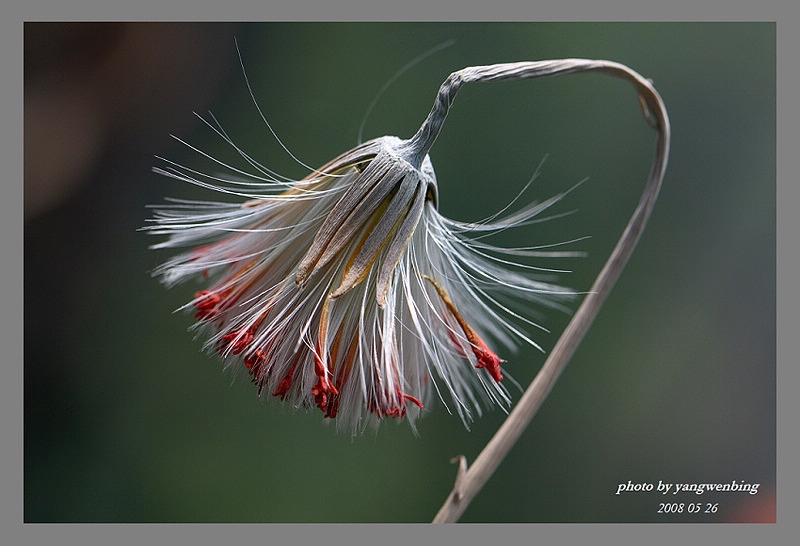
x,y
470,481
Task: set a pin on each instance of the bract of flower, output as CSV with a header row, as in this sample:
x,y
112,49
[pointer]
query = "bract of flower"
x,y
349,292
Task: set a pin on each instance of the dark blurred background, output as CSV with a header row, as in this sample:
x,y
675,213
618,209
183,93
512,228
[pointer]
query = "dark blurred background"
x,y
127,421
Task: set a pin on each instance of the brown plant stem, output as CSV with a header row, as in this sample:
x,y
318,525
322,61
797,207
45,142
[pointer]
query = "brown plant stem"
x,y
470,480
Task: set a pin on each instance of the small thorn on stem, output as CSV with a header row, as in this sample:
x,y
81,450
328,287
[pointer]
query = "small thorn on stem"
x,y
462,470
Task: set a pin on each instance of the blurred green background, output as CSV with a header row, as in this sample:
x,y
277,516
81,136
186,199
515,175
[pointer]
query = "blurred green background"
x,y
127,421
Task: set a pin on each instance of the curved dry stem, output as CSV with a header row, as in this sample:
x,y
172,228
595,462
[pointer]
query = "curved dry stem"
x,y
470,480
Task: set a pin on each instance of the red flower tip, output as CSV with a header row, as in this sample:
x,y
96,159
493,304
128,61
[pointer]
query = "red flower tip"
x,y
322,393
285,383
487,359
207,304
236,341
396,411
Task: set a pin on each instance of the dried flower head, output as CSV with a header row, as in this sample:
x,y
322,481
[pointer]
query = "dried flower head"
x,y
347,290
